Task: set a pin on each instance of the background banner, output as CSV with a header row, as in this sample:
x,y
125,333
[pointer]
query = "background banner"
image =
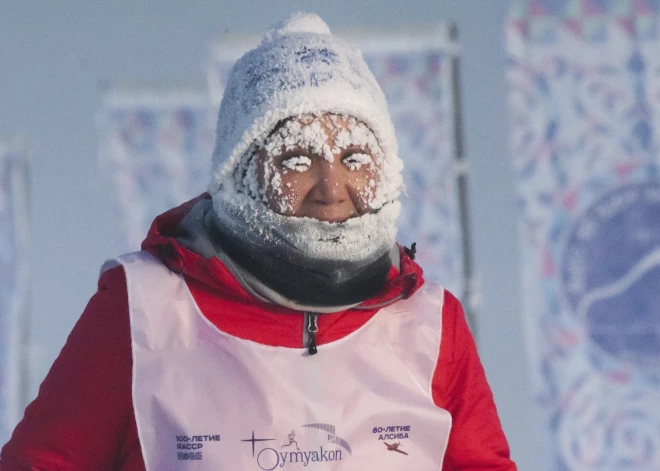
x,y
415,70
14,277
584,97
156,144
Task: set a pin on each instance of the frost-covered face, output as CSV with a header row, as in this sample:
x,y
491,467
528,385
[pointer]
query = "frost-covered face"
x,y
323,167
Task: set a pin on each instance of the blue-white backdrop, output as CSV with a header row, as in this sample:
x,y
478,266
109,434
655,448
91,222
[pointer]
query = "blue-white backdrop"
x,y
584,99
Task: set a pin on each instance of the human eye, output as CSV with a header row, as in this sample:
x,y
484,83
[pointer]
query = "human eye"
x,y
356,160
298,163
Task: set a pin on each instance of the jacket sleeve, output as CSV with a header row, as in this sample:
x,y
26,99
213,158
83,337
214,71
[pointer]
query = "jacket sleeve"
x,y
83,411
476,440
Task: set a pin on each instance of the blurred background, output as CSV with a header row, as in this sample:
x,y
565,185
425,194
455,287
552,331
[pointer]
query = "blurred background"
x,y
529,132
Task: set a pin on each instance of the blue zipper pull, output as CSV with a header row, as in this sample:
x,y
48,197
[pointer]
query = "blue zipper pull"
x,y
312,329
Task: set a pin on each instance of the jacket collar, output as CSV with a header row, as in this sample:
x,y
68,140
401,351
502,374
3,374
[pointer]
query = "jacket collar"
x,y
174,239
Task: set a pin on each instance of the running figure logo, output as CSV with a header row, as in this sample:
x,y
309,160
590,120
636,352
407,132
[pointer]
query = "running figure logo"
x,y
292,441
311,449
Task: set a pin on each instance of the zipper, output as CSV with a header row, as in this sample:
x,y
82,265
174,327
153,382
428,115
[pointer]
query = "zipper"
x,y
310,327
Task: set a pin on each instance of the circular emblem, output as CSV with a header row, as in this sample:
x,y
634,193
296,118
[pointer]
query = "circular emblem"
x,y
611,273
608,428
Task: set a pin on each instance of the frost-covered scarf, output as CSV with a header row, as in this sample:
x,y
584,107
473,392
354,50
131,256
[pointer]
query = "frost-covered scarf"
x,y
308,261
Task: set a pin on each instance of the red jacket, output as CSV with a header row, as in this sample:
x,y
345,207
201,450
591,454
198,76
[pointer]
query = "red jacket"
x,y
82,418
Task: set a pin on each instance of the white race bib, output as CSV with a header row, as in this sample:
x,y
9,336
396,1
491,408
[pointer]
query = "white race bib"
x,y
207,400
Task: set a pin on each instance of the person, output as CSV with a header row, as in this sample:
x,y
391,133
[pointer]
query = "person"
x,y
275,305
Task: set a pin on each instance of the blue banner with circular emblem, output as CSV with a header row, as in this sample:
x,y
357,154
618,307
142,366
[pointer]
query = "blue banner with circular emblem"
x,y
584,103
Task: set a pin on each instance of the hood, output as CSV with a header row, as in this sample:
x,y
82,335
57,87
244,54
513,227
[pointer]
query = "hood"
x,y
190,254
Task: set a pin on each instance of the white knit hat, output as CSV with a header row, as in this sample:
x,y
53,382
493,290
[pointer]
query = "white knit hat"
x,y
298,68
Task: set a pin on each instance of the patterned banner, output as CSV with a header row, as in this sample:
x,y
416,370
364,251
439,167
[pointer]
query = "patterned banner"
x,y
584,99
157,146
13,283
415,71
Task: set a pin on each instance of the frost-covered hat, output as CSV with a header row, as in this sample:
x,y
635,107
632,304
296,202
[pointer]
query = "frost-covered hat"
x,y
299,68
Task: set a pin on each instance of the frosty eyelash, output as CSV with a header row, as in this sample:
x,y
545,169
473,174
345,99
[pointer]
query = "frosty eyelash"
x,y
299,163
357,160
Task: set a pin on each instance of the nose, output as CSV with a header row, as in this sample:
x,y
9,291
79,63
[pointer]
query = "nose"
x,y
330,187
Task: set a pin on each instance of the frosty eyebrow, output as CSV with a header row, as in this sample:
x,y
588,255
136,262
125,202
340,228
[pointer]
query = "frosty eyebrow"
x,y
299,163
356,160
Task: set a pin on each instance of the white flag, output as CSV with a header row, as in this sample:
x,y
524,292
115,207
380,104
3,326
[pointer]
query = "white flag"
x,y
156,145
13,284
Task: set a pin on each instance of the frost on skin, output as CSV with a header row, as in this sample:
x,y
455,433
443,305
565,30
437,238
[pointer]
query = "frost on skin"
x,y
309,133
290,149
260,176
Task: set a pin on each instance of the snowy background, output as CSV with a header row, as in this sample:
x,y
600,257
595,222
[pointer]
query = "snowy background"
x,y
58,59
